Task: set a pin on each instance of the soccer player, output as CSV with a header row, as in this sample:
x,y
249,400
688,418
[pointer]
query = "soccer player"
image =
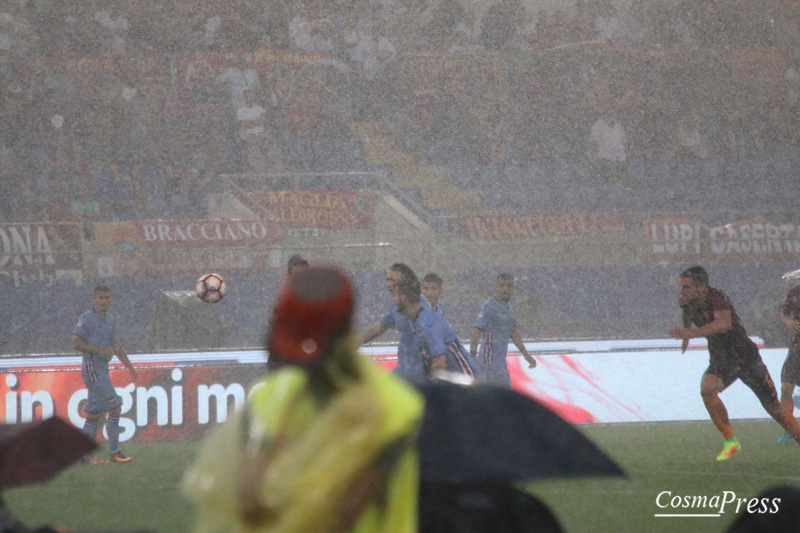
x,y
432,290
95,336
326,443
435,342
495,325
296,264
790,373
408,363
732,356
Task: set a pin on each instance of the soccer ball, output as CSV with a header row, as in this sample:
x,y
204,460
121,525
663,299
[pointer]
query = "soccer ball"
x,y
210,288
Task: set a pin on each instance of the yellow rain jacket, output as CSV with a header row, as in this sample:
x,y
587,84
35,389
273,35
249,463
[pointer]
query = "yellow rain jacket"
x,y
313,456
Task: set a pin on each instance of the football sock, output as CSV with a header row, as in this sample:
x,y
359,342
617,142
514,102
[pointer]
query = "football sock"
x,y
112,429
719,415
90,430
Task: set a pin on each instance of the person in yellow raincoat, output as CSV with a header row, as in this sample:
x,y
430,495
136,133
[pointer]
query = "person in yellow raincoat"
x,y
325,444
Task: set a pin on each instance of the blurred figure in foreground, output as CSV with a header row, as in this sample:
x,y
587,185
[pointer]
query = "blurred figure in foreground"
x,y
326,443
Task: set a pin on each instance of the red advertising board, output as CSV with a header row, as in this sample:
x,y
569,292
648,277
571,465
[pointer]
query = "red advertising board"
x,y
526,227
756,239
165,403
319,208
171,247
40,252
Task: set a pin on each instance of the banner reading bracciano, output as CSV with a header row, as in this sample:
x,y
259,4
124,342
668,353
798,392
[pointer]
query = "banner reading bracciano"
x,y
40,252
756,239
175,247
526,227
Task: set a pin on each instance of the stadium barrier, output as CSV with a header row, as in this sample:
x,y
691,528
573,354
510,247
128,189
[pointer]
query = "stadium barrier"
x,y
180,396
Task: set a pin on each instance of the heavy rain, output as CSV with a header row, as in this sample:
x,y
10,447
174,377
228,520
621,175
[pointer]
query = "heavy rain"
x,y
590,149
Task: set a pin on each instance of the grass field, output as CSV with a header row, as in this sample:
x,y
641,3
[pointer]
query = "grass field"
x,y
677,457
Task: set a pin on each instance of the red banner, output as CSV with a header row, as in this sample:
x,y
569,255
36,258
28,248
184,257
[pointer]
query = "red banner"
x,y
172,403
174,247
40,252
757,239
526,227
319,208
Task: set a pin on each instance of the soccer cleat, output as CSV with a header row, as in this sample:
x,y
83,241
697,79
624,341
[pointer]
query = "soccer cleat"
x,y
731,448
92,460
119,457
786,437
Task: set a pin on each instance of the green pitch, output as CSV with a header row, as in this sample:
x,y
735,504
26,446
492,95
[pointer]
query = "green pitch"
x,y
145,495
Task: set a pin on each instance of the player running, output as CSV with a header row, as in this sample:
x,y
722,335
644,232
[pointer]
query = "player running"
x,y
732,356
790,373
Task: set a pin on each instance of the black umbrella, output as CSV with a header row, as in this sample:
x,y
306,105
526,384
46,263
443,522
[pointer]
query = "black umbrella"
x,y
485,434
33,452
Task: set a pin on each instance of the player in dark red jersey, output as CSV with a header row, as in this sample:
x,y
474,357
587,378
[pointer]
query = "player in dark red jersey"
x,y
790,373
732,356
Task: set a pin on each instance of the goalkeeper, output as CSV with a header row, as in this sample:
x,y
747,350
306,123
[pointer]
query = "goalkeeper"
x,y
327,443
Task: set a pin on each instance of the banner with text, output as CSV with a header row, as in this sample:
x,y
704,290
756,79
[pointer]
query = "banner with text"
x,y
584,382
319,208
164,403
526,227
175,247
756,239
40,252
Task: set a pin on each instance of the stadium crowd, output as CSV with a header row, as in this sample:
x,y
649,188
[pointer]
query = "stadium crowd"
x,y
109,108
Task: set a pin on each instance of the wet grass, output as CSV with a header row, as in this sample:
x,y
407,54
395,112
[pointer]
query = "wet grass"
x,y
145,495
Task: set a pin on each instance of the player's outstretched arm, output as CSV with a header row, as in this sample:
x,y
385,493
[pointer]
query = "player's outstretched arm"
x,y
375,330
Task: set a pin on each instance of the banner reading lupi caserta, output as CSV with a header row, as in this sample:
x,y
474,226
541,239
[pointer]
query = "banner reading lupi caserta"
x,y
756,239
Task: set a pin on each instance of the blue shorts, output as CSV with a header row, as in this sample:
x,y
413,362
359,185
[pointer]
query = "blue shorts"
x,y
102,397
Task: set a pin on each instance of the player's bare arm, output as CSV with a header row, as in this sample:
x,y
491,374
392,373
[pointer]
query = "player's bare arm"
x,y
438,364
722,322
474,339
80,345
375,330
516,338
792,325
122,355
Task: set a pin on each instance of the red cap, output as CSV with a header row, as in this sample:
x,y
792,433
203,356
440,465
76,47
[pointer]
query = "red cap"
x,y
314,308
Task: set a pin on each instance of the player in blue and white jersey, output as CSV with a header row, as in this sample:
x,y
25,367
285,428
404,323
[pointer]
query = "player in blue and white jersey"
x,y
432,290
408,364
495,325
95,336
435,342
